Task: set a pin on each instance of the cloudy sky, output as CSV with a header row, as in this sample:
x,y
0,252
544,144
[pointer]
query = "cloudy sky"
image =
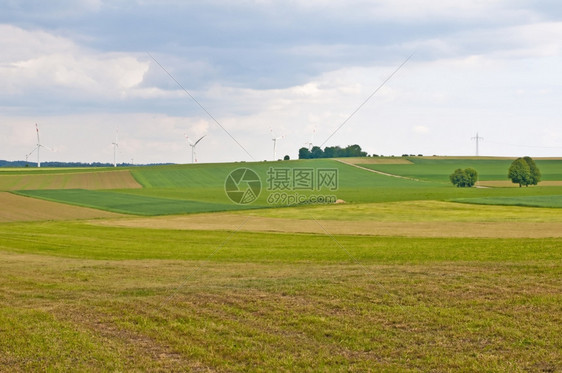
x,y
81,69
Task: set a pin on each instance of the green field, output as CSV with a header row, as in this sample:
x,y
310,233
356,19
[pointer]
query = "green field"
x,y
399,278
532,201
438,170
178,189
127,203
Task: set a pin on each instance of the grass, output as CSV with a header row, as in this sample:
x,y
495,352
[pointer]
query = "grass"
x,y
93,296
554,201
416,211
179,189
438,170
126,203
144,299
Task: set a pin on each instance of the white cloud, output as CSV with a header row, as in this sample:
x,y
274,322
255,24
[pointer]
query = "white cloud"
x,y
36,59
421,129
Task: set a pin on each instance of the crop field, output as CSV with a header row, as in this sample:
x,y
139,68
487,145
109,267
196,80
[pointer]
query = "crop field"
x,y
67,180
533,201
168,274
438,170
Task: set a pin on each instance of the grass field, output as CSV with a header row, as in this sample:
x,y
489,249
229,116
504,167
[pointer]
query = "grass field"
x,y
532,201
399,278
438,170
179,189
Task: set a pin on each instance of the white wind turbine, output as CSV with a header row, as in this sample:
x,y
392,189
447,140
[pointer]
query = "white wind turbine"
x,y
310,144
38,148
115,146
193,144
275,138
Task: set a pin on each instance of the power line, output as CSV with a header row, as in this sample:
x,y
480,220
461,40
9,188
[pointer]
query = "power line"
x,y
368,98
201,106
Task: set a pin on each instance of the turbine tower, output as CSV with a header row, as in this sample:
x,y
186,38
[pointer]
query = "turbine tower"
x,y
274,138
38,148
311,142
115,146
477,138
193,145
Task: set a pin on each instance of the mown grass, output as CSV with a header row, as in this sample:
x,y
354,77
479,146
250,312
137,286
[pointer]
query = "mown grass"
x,y
78,296
143,299
78,240
420,211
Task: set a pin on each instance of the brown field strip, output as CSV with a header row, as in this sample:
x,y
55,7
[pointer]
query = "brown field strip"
x,y
80,180
15,208
508,183
374,160
229,221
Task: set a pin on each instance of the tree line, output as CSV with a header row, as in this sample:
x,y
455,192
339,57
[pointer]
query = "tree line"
x,y
331,152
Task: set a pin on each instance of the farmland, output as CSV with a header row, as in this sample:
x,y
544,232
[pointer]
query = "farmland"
x,y
168,274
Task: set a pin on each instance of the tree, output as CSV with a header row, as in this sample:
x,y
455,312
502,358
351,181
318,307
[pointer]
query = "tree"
x,y
520,172
464,178
286,158
535,172
304,153
317,152
471,175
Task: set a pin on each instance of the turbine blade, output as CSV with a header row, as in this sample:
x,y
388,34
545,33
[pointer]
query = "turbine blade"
x,y
197,142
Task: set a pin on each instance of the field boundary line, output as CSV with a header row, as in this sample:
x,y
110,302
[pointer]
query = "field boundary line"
x,y
378,172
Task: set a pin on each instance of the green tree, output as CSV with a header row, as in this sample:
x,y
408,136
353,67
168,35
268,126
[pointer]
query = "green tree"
x,y
535,172
316,152
520,172
304,153
286,158
464,178
471,176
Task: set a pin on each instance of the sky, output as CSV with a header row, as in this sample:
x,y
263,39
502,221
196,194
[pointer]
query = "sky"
x,y
147,73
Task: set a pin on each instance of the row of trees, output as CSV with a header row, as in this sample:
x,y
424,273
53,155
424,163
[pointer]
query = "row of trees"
x,y
331,152
523,171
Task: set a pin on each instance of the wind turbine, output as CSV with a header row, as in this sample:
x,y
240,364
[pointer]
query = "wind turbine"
x,y
274,138
193,144
115,146
38,147
309,144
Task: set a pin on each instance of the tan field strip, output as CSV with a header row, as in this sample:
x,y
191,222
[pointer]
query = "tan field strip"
x,y
229,221
374,160
508,183
15,208
79,180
